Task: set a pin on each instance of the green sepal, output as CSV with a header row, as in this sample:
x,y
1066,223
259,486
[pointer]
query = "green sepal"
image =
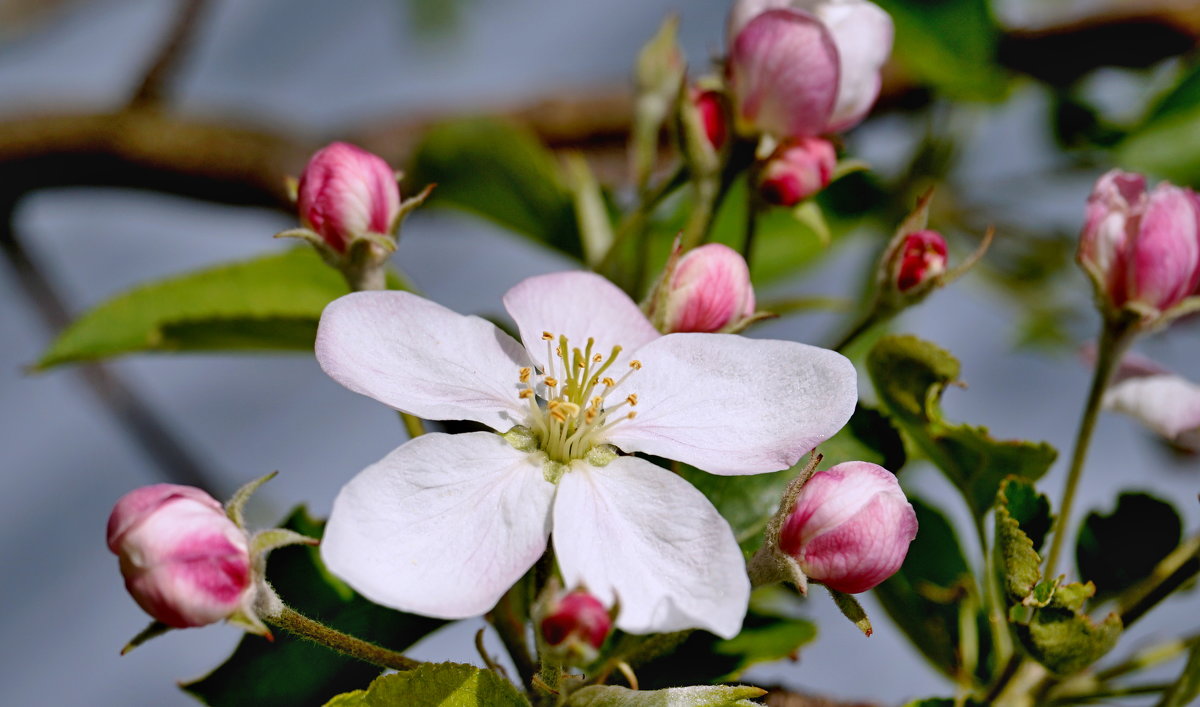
x,y
154,630
247,620
236,506
591,211
910,376
435,685
852,610
659,71
697,696
808,212
264,541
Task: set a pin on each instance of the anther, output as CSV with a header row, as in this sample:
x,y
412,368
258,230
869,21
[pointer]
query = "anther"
x,y
525,374
632,399
551,382
547,336
609,382
631,415
597,358
525,394
635,365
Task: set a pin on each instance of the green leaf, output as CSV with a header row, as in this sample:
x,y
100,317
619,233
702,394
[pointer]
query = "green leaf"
x,y
773,630
272,302
698,696
436,685
1166,143
500,172
1187,688
910,376
747,502
869,437
1067,642
922,597
950,45
1016,553
1118,550
291,671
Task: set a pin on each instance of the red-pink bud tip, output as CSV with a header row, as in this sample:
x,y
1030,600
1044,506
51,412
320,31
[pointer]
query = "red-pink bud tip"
x,y
922,257
578,616
709,291
346,192
797,170
711,108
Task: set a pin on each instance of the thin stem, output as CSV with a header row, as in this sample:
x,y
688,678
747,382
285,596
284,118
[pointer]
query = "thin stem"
x,y
1178,567
509,619
634,223
1114,339
754,205
994,598
317,632
877,314
413,425
175,44
1006,675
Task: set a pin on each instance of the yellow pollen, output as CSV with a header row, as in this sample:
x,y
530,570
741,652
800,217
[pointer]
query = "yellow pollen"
x,y
635,365
551,381
631,415
608,382
525,374
547,336
558,351
579,363
597,358
632,398
525,394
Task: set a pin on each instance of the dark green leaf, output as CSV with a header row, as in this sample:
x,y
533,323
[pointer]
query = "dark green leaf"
x,y
501,172
291,671
869,437
950,45
910,375
1116,551
1167,144
272,302
697,696
772,631
922,597
1065,641
436,685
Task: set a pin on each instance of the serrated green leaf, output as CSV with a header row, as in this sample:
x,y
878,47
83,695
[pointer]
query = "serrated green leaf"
x,y
910,375
697,696
772,631
436,685
1019,562
1118,550
501,172
292,671
950,45
272,302
922,598
1067,642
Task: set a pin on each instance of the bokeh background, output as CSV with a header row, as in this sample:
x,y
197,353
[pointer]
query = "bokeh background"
x,y
1075,84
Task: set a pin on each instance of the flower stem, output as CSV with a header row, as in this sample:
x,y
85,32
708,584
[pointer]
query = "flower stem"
x,y
754,205
317,632
509,620
1114,339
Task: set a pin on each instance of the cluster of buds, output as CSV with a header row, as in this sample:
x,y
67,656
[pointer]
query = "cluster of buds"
x,y
573,625
350,211
707,289
189,561
847,528
1141,249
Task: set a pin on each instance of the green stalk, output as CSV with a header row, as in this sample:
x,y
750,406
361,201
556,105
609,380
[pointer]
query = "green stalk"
x,y
300,625
413,425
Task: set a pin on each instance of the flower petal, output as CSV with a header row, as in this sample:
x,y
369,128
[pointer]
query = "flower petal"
x,y
862,32
421,358
640,536
442,526
577,305
731,405
1167,404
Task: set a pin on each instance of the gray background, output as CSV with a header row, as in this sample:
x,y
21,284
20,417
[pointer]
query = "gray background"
x,y
310,67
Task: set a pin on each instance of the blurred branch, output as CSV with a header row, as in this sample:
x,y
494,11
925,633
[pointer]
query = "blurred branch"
x,y
156,83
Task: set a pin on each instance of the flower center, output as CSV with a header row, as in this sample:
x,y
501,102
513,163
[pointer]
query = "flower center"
x,y
569,410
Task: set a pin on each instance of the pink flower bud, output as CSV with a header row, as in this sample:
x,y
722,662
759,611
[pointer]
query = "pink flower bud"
x,y
346,192
862,34
783,74
850,528
796,170
921,258
577,623
1142,247
709,291
184,562
711,108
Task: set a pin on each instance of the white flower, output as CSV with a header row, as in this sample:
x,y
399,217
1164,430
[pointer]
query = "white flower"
x,y
445,524
1166,403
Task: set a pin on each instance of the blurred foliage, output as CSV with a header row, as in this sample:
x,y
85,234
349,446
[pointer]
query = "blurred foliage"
x,y
1118,550
436,685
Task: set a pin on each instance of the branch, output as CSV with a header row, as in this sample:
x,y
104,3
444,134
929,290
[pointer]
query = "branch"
x,y
156,82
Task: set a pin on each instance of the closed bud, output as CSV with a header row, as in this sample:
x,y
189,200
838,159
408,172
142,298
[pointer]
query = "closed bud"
x,y
850,527
797,170
1142,249
783,75
184,561
346,193
575,626
708,290
710,105
920,259
861,33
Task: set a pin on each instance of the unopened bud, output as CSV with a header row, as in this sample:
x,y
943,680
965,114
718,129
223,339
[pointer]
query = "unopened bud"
x,y
709,290
920,259
184,561
576,626
1142,249
710,105
797,170
850,527
346,193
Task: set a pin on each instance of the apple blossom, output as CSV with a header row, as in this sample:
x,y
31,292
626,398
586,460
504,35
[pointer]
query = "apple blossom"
x,y
445,524
850,527
184,561
346,192
797,169
1141,248
1165,402
818,72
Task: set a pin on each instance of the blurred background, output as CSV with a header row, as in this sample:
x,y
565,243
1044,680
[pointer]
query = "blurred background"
x,y
141,139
